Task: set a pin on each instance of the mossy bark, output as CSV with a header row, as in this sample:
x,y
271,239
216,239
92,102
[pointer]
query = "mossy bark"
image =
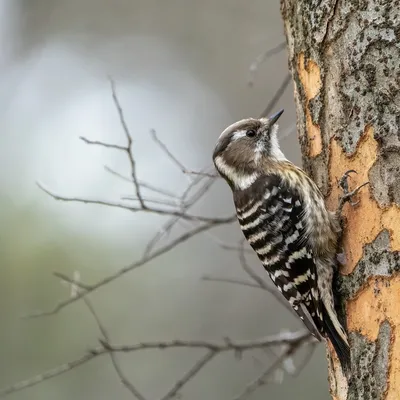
x,y
344,56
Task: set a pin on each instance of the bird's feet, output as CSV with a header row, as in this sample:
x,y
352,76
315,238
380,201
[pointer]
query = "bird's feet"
x,y
347,195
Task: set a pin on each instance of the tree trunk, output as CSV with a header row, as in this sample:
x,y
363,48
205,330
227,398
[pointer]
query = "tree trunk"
x,y
345,60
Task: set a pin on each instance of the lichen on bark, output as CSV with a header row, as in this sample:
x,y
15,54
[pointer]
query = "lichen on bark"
x,y
344,56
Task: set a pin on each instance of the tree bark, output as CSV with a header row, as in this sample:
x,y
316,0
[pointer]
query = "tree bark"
x,y
345,60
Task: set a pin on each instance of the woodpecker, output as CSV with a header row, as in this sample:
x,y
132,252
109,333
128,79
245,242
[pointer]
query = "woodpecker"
x,y
283,216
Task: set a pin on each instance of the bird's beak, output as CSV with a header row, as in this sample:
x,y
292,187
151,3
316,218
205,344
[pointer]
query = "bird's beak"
x,y
275,117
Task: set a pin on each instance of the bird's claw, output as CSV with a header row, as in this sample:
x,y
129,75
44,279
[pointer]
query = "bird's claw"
x,y
347,196
343,182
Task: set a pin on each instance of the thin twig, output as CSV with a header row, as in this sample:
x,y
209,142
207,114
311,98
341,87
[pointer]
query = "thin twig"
x,y
164,147
312,346
227,246
149,200
194,182
123,206
283,338
233,281
185,206
52,373
129,139
124,380
289,131
262,379
156,189
261,282
278,94
103,144
142,184
205,174
249,271
293,339
222,244
72,281
262,58
181,239
189,375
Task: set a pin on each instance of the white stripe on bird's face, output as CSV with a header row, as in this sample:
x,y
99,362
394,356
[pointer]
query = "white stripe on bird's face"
x,y
275,150
238,135
240,180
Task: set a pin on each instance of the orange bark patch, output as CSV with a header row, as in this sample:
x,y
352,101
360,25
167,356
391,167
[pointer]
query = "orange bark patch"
x,y
377,302
310,77
367,220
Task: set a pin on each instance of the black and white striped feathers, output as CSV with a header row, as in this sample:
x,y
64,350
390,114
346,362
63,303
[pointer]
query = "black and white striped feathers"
x,y
270,216
283,216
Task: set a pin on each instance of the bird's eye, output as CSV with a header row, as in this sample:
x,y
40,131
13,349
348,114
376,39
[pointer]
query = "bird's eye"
x,y
251,133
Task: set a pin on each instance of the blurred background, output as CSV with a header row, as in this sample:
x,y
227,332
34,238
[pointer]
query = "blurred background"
x,y
181,68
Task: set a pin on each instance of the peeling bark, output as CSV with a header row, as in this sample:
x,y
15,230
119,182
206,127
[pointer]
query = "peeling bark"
x,y
345,61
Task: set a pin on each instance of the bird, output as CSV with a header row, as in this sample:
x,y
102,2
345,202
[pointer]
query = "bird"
x,y
283,216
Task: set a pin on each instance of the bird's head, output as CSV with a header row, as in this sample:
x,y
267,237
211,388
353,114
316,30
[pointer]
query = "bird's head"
x,y
245,147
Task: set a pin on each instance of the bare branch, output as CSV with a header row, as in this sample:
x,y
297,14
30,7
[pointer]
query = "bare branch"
x,y
261,282
279,93
225,245
312,346
86,200
289,131
143,184
124,380
149,200
185,206
232,280
284,338
262,379
72,281
181,239
117,174
52,373
103,144
205,174
123,206
189,375
262,58
164,147
293,339
232,247
129,139
246,268
158,190
198,195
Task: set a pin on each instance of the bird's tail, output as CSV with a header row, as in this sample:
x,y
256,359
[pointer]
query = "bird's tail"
x,y
337,336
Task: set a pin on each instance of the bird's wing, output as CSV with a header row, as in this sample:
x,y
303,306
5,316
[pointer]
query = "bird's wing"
x,y
273,223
